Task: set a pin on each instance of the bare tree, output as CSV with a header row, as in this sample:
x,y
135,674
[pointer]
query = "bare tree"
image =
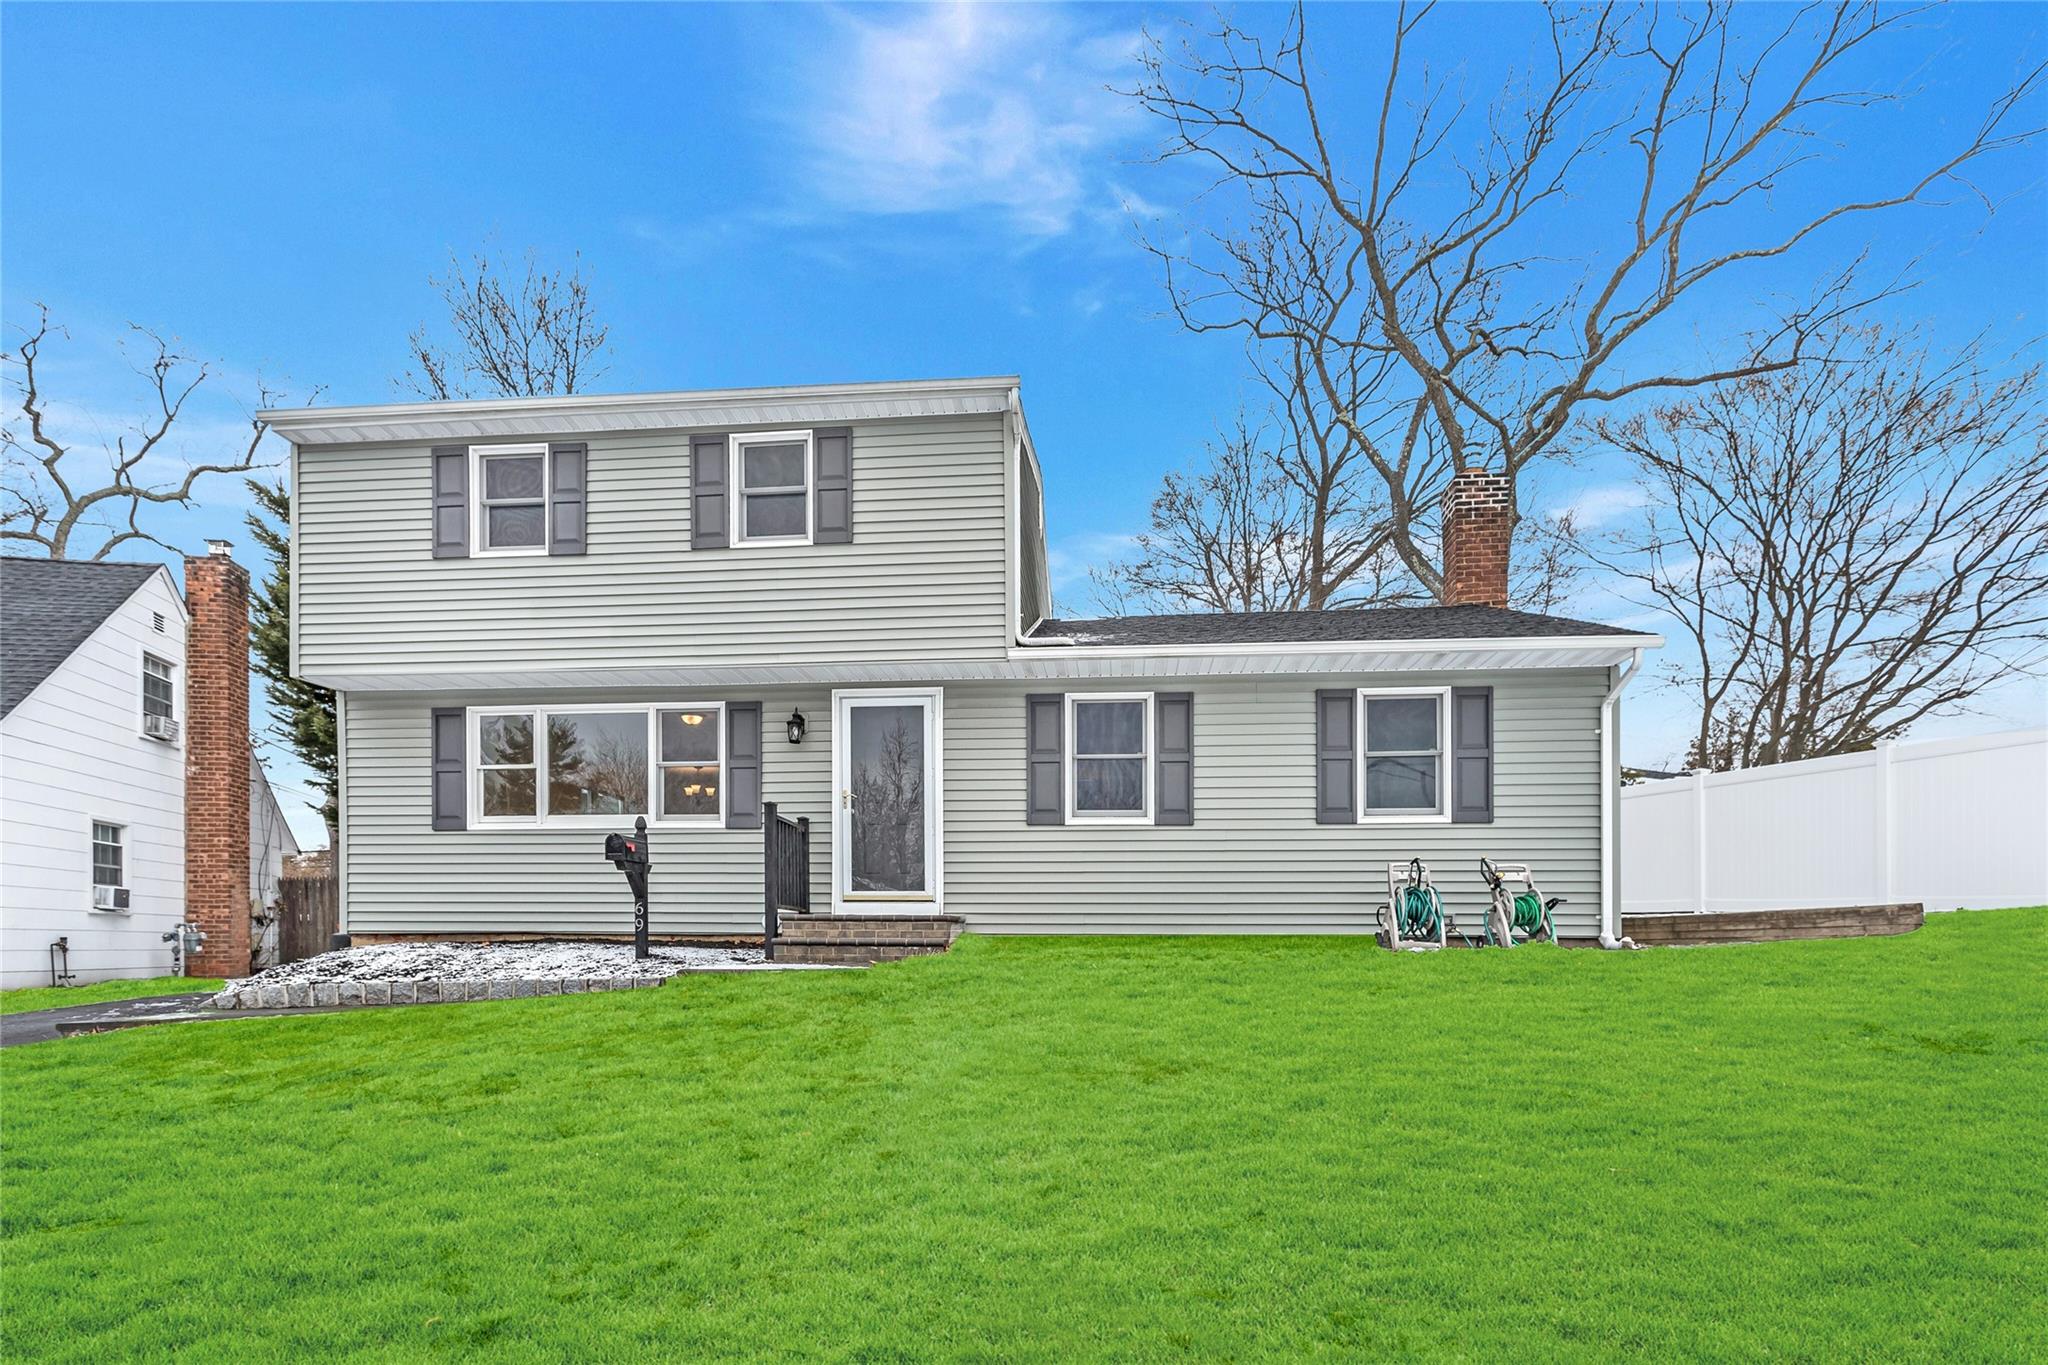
x,y
535,335
66,499
1436,242
1849,546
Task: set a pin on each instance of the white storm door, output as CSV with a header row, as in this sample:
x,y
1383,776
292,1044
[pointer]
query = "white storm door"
x,y
886,841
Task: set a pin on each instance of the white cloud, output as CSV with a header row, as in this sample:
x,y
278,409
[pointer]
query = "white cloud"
x,y
971,107
1602,504
1068,559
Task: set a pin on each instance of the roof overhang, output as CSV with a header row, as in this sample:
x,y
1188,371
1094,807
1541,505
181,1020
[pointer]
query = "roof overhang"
x,y
1419,656
471,419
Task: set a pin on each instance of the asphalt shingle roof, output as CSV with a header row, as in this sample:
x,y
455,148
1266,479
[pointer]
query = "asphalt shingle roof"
x,y
47,609
1358,625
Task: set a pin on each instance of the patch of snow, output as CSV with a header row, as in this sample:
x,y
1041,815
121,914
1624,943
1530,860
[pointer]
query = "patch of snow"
x,y
497,962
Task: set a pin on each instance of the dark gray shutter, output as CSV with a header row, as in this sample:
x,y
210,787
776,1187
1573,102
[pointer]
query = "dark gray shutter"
x,y
832,523
1336,756
451,502
1471,755
451,790
710,508
566,466
743,765
1174,789
1044,759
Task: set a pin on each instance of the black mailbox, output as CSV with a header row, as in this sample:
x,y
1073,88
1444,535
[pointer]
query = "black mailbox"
x,y
628,853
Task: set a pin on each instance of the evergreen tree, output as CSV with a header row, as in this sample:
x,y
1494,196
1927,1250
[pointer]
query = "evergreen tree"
x,y
303,714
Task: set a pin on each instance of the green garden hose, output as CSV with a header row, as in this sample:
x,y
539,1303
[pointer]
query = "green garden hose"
x,y
1418,912
1528,915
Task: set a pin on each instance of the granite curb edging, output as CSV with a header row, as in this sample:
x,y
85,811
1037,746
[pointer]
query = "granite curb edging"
x,y
352,991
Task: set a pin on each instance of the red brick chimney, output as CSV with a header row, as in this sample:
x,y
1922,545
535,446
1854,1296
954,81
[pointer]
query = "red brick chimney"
x,y
217,760
1478,524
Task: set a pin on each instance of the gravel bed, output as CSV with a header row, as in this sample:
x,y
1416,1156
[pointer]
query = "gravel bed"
x,y
428,973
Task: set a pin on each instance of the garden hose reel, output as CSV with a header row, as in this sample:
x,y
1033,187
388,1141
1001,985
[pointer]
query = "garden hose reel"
x,y
1413,918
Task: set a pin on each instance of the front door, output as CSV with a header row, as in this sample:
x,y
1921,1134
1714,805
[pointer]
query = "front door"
x,y
885,767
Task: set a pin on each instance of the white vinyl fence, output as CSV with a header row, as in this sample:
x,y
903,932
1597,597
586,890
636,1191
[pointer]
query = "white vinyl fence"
x,y
1948,823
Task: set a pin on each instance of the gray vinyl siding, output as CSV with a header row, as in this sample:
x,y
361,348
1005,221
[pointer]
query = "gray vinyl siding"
x,y
404,877
1254,861
923,578
1033,603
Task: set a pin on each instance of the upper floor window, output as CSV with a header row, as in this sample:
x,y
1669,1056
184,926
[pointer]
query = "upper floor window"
x,y
1109,761
159,694
775,478
511,513
1403,769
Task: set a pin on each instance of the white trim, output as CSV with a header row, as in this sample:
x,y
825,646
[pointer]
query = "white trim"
x,y
735,474
473,767
479,546
1442,814
1610,810
473,770
92,863
1147,758
1065,648
933,701
1033,665
657,820
704,409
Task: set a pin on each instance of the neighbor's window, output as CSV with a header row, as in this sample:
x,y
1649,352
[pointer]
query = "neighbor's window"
x,y
1403,753
159,697
691,739
507,773
774,487
1108,762
512,498
597,762
106,854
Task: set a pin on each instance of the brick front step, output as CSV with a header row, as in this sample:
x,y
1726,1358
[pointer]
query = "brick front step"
x,y
862,938
1765,926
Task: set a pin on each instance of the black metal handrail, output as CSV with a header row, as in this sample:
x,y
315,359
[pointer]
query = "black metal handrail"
x,y
785,869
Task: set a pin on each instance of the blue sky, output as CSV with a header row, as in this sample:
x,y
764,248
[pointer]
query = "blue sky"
x,y
763,194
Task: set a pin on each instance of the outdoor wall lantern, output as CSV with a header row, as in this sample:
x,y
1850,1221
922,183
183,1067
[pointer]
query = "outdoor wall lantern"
x,y
796,727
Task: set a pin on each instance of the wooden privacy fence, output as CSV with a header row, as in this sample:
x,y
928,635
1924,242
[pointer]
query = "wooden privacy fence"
x,y
1945,823
310,917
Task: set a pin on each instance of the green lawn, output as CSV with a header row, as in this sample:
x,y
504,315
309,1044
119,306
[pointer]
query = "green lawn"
x,y
1064,1149
49,997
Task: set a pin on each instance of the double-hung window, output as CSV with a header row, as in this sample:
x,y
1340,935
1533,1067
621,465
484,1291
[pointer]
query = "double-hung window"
x,y
597,765
511,483
106,854
775,475
159,692
507,765
692,753
1403,772
1109,768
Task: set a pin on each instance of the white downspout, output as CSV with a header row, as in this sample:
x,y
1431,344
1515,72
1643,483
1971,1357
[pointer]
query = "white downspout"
x,y
1610,909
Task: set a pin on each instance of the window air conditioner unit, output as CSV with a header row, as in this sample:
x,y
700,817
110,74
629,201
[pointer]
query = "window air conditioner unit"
x,y
110,898
160,727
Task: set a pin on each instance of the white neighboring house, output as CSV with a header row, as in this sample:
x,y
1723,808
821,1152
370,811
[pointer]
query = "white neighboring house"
x,y
92,771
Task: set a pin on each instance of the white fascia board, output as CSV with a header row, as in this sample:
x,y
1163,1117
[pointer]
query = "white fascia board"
x,y
474,418
1618,646
1023,665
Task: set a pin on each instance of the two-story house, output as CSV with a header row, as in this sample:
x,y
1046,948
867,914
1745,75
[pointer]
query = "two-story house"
x,y
548,616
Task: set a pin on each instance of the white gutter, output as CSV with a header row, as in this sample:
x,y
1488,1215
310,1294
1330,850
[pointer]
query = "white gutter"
x,y
1610,909
1073,648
